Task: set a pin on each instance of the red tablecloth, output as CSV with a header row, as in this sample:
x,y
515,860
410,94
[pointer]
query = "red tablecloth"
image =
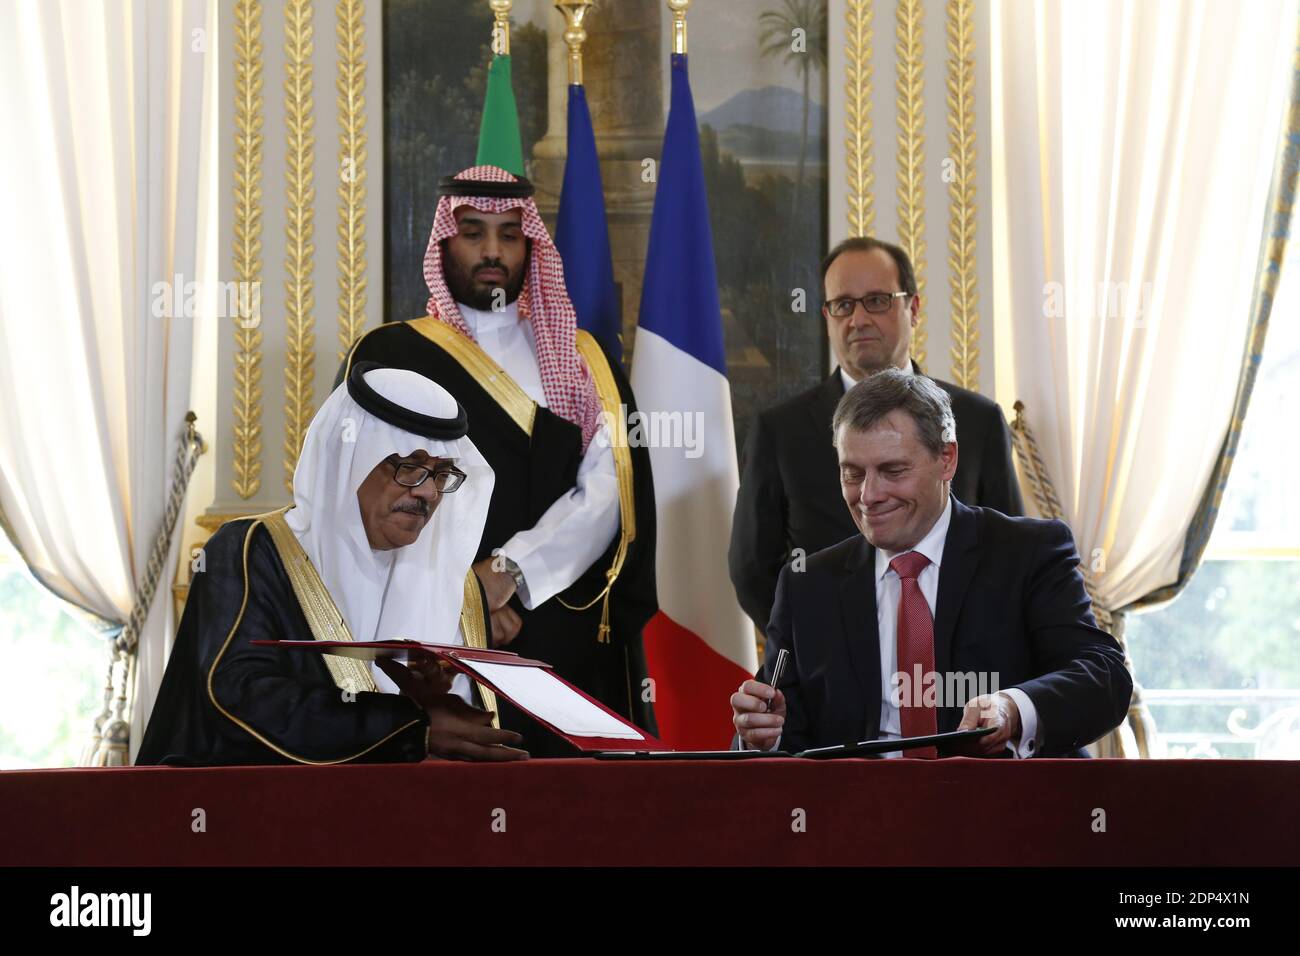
x,y
887,812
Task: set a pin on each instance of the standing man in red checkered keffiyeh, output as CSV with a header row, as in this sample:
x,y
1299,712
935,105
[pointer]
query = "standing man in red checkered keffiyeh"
x,y
563,579
538,288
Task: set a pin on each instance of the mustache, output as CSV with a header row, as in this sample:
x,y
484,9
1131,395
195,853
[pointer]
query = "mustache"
x,y
416,506
490,264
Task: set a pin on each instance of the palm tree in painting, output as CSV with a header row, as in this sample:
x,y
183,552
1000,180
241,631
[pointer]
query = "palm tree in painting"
x,y
806,51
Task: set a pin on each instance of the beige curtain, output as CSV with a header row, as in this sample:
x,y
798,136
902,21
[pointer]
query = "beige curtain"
x,y
1134,147
108,111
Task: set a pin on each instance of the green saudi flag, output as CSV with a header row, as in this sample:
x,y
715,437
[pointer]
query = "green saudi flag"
x,y
498,132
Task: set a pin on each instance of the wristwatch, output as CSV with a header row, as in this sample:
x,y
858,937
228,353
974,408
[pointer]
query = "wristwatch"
x,y
513,570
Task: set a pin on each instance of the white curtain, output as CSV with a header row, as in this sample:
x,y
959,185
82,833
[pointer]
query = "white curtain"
x,y
109,108
1133,142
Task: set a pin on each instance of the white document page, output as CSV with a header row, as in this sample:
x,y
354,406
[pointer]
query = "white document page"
x,y
537,691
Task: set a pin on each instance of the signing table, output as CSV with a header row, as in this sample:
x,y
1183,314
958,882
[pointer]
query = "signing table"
x,y
575,812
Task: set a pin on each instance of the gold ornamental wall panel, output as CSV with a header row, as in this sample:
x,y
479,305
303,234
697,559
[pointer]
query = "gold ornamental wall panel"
x,y
299,231
309,137
859,153
962,275
247,393
909,51
351,101
940,94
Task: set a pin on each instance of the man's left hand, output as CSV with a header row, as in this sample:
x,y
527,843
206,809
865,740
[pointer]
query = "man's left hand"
x,y
499,585
422,679
990,710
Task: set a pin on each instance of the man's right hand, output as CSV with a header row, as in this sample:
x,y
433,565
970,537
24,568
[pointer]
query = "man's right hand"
x,y
758,727
506,625
458,731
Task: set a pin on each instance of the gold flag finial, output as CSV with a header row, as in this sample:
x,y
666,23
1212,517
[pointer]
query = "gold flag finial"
x,y
501,26
574,35
679,8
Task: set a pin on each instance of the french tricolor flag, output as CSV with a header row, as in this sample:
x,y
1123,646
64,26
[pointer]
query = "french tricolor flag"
x,y
700,645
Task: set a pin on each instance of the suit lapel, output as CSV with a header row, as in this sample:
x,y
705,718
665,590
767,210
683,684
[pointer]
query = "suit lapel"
x,y
823,495
960,557
860,631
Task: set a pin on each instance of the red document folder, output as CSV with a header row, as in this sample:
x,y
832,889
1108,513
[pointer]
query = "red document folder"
x,y
462,659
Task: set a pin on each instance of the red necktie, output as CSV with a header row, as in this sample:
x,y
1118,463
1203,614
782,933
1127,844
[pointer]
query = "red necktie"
x,y
915,651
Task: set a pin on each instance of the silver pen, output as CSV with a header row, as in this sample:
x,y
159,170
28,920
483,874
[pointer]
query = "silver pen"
x,y
778,669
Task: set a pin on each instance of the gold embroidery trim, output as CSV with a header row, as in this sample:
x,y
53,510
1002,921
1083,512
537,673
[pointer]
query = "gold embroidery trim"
x,y
505,391
471,625
611,403
243,606
323,616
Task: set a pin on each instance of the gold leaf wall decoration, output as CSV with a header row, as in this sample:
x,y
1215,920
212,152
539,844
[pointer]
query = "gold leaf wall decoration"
x,y
299,253
351,86
910,104
859,36
963,292
247,465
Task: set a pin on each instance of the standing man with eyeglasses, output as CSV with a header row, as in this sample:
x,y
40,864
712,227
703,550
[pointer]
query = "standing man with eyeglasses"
x,y
567,555
789,499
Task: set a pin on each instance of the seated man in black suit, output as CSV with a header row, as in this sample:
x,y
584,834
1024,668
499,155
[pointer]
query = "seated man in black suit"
x,y
930,591
787,496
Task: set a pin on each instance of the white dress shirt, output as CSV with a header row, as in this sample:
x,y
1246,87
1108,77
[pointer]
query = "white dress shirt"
x,y
581,524
889,589
849,381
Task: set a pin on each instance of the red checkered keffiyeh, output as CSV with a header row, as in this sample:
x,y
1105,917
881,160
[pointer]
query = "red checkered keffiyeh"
x,y
566,381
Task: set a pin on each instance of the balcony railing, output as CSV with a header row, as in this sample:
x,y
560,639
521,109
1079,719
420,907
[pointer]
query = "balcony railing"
x,y
1247,723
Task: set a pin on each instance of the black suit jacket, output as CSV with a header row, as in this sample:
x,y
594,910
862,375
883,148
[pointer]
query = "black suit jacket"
x,y
1011,602
790,495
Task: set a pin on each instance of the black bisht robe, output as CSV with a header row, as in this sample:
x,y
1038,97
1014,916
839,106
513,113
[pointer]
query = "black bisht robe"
x,y
266,706
531,473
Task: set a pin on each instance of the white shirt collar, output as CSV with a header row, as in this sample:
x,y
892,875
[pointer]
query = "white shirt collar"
x,y
849,381
488,321
931,545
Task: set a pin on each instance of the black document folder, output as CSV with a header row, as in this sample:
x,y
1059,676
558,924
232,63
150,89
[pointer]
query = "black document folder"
x,y
865,748
874,748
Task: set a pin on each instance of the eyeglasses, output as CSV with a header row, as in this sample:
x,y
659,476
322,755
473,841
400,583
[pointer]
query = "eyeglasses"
x,y
445,479
873,302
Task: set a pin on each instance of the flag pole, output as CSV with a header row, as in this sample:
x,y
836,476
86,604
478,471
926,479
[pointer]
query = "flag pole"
x,y
581,230
501,27
679,8
574,35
